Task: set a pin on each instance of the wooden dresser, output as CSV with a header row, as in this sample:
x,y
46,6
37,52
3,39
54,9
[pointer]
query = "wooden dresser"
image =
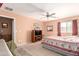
x,y
36,35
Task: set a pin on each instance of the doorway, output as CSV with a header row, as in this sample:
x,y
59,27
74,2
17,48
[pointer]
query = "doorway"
x,y
6,28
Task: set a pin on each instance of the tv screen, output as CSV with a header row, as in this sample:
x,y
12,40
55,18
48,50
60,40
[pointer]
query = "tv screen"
x,y
38,33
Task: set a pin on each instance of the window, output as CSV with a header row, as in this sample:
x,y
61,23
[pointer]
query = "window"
x,y
66,27
63,27
69,27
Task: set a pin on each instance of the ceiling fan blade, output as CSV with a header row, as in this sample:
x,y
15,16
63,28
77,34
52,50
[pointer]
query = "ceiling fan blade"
x,y
47,13
52,14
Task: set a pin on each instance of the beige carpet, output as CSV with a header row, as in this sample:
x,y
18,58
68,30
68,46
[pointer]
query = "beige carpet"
x,y
34,49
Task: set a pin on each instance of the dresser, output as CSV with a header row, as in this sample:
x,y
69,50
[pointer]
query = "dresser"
x,y
36,35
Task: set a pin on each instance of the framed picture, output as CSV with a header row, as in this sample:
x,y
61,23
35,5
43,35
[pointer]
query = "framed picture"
x,y
49,28
4,25
36,26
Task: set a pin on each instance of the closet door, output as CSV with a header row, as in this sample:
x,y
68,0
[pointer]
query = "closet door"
x,y
6,28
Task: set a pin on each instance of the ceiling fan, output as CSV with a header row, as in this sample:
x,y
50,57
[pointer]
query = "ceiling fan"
x,y
48,15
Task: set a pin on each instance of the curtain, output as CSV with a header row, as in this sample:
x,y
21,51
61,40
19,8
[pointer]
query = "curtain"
x,y
74,27
1,4
59,31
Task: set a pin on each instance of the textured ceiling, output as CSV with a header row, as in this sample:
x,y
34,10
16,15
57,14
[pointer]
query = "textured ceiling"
x,y
37,9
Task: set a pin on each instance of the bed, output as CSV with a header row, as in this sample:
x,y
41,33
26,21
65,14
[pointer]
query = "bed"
x,y
4,51
66,45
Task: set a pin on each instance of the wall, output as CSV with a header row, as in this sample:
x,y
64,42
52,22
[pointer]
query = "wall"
x,y
54,23
24,26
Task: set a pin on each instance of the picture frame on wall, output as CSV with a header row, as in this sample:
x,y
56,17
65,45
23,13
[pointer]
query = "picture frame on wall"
x,y
36,26
50,28
4,25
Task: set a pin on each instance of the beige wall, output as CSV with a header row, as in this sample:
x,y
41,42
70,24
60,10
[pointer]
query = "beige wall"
x,y
54,23
24,26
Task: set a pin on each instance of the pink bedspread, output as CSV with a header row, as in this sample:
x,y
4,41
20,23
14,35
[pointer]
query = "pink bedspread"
x,y
69,43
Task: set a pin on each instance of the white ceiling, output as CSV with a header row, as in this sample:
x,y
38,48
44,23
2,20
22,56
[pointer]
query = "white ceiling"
x,y
37,9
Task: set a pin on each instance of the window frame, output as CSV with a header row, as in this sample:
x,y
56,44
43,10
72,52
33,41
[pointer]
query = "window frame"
x,y
65,30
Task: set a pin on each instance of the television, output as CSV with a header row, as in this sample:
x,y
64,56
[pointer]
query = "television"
x,y
38,32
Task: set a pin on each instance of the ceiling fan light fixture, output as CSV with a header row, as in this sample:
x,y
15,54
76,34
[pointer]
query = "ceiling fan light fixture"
x,y
9,9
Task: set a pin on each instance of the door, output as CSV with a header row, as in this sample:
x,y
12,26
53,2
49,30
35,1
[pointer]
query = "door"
x,y
6,28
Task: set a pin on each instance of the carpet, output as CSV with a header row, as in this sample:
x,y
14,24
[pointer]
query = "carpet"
x,y
34,49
